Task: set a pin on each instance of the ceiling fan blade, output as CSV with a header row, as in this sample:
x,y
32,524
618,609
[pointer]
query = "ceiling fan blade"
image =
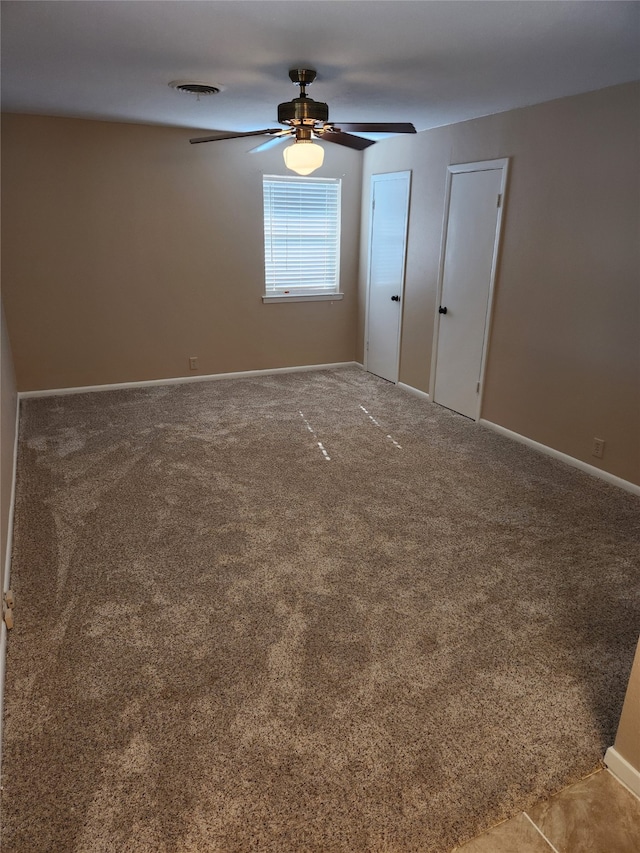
x,y
376,127
276,139
224,135
347,139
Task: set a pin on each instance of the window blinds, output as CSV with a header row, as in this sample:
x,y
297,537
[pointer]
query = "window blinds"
x,y
301,235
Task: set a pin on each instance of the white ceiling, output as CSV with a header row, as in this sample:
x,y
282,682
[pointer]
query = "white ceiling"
x,y
432,63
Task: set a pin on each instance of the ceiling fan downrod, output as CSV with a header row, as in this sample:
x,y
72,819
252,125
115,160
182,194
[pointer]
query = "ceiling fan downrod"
x,y
302,77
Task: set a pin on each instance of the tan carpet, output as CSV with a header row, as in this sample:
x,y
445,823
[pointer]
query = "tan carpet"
x,y
229,640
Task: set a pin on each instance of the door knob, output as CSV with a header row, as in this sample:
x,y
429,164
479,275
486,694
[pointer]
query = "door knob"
x,y
395,299
442,310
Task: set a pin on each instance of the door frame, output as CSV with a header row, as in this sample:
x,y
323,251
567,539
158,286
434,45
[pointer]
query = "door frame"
x,y
379,177
456,169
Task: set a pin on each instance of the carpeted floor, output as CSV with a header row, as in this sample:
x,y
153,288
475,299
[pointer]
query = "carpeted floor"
x,y
302,612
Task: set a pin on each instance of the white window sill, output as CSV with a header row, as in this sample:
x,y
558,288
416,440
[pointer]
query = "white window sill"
x,y
310,297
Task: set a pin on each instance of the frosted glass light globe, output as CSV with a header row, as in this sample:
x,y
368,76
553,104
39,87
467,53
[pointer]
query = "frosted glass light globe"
x,y
303,157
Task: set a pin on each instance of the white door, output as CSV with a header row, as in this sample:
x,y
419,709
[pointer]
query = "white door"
x,y
387,251
467,272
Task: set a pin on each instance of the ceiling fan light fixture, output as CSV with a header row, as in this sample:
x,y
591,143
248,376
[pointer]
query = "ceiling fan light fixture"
x,y
304,156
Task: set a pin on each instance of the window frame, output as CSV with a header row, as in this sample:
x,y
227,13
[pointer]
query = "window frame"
x,y
300,294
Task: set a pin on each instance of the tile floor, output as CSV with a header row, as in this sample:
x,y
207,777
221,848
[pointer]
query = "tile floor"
x,y
596,815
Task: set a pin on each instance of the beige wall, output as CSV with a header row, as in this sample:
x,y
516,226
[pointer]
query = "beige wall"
x,y
628,738
564,357
127,250
8,403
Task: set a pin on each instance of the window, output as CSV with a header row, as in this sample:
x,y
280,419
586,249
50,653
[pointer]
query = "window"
x,y
301,238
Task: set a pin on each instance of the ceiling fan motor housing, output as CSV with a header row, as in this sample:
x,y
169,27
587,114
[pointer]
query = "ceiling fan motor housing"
x,y
303,110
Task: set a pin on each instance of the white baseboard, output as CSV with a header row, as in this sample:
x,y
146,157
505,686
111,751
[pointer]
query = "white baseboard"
x,y
181,380
415,391
563,457
7,570
12,501
622,770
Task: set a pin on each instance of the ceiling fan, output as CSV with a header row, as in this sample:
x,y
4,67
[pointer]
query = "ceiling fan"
x,y
308,120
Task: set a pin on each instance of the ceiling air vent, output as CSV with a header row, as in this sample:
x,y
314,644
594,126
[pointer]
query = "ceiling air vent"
x,y
198,89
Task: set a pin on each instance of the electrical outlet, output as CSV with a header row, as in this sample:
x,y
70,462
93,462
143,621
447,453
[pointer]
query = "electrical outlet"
x,y
598,448
193,362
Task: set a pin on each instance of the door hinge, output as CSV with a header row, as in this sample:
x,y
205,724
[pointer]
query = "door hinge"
x,y
499,200
478,388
